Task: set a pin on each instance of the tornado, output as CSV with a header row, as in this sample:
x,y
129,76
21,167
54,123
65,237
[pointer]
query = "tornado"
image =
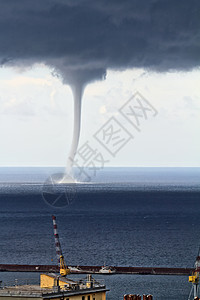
x,y
77,91
77,80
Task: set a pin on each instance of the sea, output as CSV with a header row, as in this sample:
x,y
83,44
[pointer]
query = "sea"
x,y
122,217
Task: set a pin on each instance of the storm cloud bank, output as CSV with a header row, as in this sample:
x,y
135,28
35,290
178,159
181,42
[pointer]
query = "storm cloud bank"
x,y
83,38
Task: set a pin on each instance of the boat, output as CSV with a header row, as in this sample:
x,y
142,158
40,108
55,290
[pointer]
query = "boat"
x,y
107,270
75,269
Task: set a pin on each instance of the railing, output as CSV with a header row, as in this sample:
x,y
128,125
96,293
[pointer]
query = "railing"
x,y
77,283
95,282
19,282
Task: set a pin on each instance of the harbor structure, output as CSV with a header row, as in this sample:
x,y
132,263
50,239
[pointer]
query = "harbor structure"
x,y
137,297
59,287
54,287
194,279
64,270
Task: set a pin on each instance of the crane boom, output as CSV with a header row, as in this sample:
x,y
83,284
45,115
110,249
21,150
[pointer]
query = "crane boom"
x,y
194,278
61,261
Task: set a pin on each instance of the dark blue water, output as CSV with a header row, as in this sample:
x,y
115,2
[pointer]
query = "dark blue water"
x,y
148,218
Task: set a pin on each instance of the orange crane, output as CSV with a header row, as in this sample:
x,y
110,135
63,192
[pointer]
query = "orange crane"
x,y
194,278
64,270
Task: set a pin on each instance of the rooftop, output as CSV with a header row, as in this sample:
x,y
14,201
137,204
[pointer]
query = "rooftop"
x,y
24,288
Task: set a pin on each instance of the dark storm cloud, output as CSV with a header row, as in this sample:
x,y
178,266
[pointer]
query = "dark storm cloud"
x,y
83,38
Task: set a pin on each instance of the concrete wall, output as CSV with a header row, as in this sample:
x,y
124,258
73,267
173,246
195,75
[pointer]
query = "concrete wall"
x,y
48,281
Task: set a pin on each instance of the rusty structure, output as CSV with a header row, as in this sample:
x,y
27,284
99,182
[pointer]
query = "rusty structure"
x,y
138,297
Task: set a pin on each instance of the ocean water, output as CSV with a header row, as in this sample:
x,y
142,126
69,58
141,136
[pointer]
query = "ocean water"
x,y
123,217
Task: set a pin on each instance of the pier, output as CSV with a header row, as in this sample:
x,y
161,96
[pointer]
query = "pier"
x,y
96,269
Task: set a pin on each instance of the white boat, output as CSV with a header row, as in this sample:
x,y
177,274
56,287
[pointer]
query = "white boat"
x,y
107,270
75,269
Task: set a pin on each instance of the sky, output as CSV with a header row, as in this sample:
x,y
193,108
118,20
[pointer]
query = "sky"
x,y
115,53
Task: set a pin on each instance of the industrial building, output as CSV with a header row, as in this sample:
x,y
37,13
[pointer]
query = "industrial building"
x,y
57,288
